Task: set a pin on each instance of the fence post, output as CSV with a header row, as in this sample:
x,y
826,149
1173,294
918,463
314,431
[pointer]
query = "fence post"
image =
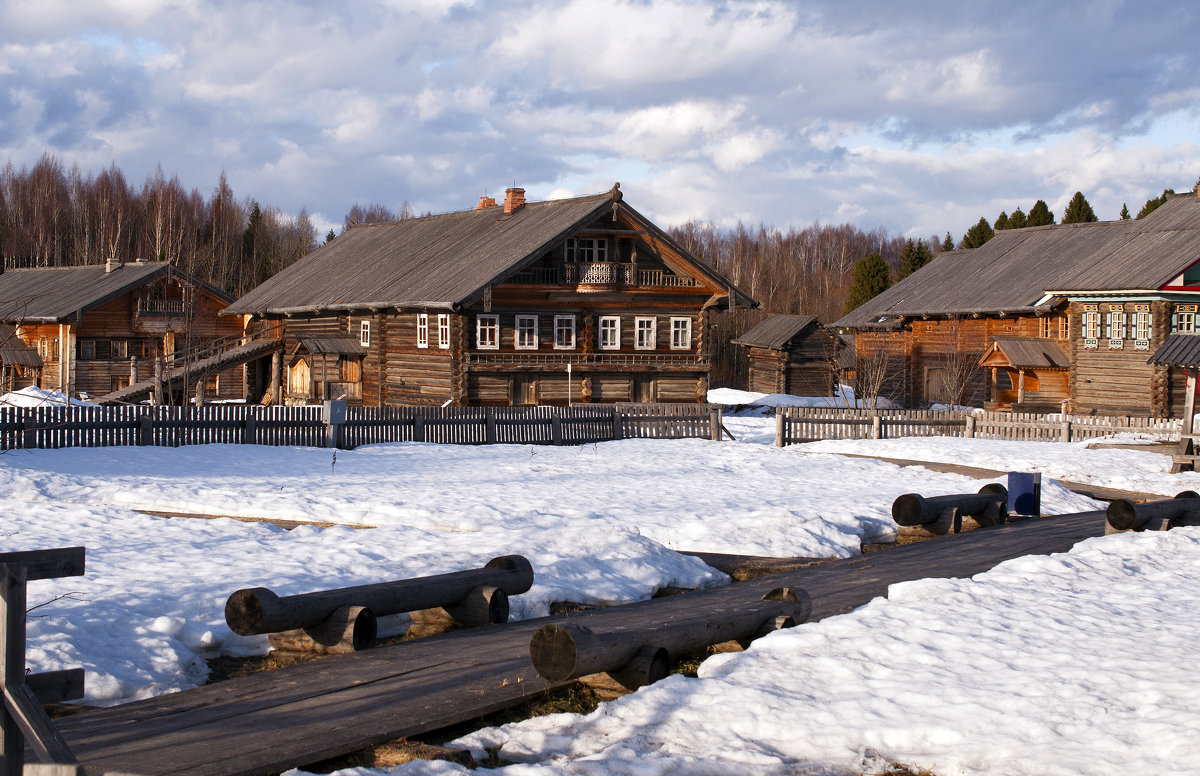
x,y
970,431
714,423
419,426
250,427
489,432
780,423
556,435
335,419
876,427
617,431
145,435
1066,431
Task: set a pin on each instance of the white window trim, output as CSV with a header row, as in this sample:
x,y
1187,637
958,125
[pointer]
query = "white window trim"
x,y
1091,325
494,320
443,322
687,330
1142,325
616,343
422,330
517,332
637,332
364,333
559,319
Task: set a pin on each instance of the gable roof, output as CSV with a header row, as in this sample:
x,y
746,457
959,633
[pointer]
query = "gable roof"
x,y
441,261
1029,353
1178,350
775,331
57,294
1015,270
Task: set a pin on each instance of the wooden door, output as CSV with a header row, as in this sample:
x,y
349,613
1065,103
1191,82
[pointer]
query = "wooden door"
x,y
524,390
643,389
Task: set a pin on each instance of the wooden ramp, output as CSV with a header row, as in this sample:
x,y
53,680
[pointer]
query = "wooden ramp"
x,y
272,721
189,374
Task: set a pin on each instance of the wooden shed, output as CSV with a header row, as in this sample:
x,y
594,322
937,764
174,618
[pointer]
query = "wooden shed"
x,y
1026,374
792,354
20,365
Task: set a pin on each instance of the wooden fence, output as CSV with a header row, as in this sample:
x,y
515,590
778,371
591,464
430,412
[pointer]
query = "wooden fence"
x,y
336,425
809,424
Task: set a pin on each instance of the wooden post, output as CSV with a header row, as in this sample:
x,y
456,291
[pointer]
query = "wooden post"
x,y
556,432
714,423
780,426
276,388
250,426
1020,386
12,660
145,432
489,431
133,369
418,427
969,433
158,381
200,390
1065,435
1186,443
876,427
618,431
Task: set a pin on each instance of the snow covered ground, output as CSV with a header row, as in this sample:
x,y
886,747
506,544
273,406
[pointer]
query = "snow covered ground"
x,y
601,523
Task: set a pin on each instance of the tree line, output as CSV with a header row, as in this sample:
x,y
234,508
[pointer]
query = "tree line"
x,y
51,216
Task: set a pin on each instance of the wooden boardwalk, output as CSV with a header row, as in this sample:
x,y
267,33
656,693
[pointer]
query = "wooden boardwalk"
x,y
275,720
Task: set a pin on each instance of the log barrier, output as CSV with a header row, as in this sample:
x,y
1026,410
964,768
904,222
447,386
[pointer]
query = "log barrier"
x,y
343,620
920,516
1125,515
562,652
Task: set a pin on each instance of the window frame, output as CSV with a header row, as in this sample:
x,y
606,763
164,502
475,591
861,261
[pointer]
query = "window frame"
x,y
559,344
615,344
1091,324
364,333
492,326
585,250
687,332
443,324
531,322
639,343
422,330
87,350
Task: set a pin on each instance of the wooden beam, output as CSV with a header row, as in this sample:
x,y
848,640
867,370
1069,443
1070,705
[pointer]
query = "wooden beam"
x,y
48,564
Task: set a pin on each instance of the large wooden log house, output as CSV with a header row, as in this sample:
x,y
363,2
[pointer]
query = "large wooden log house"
x,y
1044,318
98,327
571,300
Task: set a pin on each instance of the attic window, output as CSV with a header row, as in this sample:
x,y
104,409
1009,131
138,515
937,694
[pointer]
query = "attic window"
x,y
585,250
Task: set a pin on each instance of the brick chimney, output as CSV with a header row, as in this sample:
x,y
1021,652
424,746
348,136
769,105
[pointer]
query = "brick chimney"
x,y
513,199
485,202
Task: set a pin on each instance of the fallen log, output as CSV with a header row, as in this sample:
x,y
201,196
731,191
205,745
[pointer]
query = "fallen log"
x,y
257,610
561,652
1125,515
938,515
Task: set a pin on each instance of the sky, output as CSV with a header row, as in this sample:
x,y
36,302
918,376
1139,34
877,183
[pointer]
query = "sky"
x,y
916,117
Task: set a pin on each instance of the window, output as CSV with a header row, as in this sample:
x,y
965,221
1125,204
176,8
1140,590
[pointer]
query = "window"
x,y
120,349
364,333
1115,325
422,330
645,333
487,332
87,348
681,333
610,332
564,332
1141,322
1091,324
585,249
527,332
443,331
1185,319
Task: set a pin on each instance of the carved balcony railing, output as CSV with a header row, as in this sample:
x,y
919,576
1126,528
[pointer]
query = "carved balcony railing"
x,y
160,307
658,360
603,273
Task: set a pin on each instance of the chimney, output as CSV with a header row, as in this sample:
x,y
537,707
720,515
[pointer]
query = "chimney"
x,y
485,202
110,264
513,199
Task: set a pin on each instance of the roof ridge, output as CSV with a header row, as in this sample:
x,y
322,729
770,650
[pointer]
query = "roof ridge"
x,y
472,211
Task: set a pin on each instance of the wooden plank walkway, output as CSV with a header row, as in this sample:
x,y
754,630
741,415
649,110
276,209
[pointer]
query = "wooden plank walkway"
x,y
275,720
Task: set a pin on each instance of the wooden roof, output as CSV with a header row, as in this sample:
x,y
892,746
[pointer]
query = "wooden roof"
x,y
1026,353
1178,350
14,352
441,261
58,294
1016,269
776,331
333,344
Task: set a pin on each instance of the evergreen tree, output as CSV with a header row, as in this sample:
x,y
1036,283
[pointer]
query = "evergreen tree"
x,y
948,243
1153,203
1017,220
977,235
1001,221
913,256
1125,212
871,278
1040,215
1079,211
329,237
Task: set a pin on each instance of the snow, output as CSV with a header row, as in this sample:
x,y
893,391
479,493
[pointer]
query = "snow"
x,y
947,674
743,401
38,397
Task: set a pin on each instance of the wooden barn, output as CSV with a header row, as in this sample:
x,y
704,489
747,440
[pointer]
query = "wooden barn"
x,y
98,327
1072,312
791,354
519,303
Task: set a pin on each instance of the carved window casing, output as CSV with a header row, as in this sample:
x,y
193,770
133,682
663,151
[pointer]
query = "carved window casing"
x,y
487,332
527,332
610,332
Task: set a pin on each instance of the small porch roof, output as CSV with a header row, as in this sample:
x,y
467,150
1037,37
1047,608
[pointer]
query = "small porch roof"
x,y
333,345
1025,353
1182,350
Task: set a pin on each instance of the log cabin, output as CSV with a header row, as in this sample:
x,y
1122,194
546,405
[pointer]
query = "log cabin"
x,y
1045,318
98,327
792,354
513,304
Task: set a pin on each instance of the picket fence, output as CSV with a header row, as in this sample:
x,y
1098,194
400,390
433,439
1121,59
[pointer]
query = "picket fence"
x,y
336,425
808,424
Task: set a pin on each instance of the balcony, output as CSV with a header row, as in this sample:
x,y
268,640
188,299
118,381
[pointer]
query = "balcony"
x,y
503,359
160,307
603,273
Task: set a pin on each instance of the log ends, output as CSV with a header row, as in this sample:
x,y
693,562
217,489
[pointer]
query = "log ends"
x,y
522,578
909,509
245,610
1122,514
799,611
555,649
